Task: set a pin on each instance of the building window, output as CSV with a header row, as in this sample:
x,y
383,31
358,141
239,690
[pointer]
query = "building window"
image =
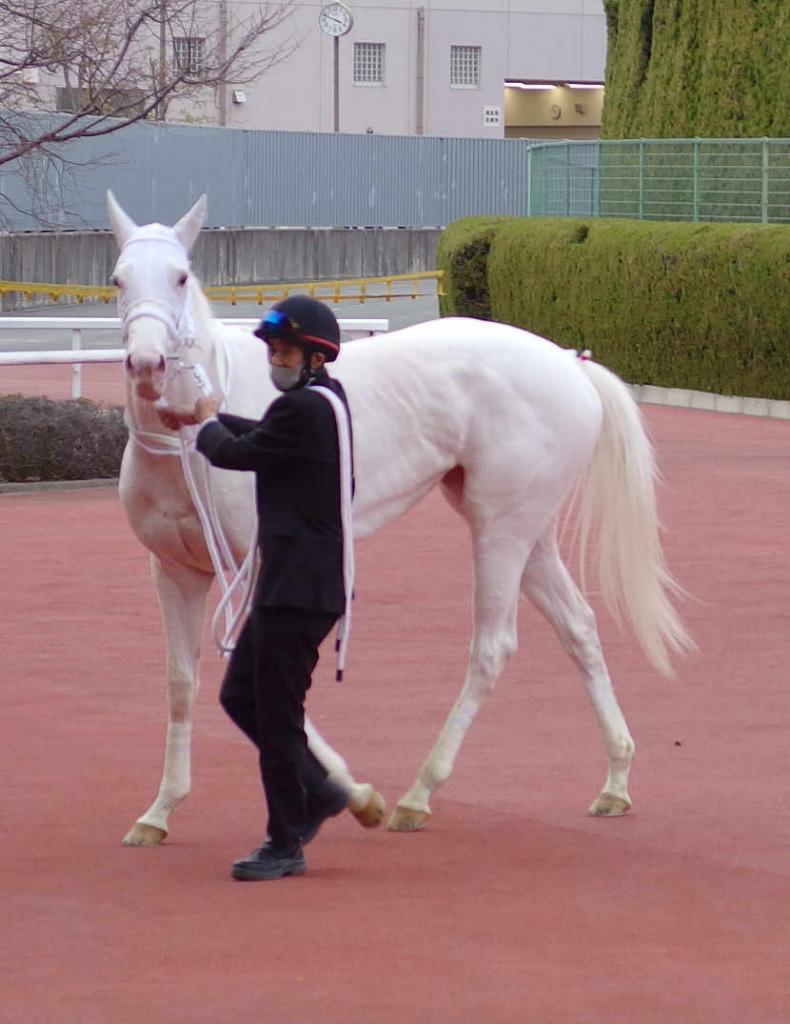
x,y
368,63
121,102
465,67
190,54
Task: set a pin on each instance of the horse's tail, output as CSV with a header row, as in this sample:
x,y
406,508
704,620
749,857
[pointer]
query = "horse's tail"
x,y
619,495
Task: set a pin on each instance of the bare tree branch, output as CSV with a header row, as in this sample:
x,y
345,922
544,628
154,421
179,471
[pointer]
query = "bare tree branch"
x,y
95,66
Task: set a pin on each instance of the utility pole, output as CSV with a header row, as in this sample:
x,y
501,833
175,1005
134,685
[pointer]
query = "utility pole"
x,y
161,70
419,126
222,88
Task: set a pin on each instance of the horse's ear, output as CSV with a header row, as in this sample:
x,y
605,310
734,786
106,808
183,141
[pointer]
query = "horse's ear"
x,y
188,228
122,224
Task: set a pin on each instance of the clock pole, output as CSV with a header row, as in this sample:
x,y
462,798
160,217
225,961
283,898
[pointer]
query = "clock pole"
x,y
336,20
336,42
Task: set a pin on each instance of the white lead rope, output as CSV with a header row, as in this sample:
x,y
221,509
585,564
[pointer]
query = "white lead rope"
x,y
239,577
346,518
219,548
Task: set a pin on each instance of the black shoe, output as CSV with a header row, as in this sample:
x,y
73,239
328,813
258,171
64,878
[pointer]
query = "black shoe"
x,y
267,862
332,800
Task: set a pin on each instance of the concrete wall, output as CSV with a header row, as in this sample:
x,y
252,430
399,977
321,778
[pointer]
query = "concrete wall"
x,y
224,256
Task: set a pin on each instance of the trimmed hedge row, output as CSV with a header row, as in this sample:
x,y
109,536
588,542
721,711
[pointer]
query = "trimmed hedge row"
x,y
462,253
701,306
42,439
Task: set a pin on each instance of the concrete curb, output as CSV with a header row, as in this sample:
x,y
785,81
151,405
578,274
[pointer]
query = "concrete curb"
x,y
56,485
681,398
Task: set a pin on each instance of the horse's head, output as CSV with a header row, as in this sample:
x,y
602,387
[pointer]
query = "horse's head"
x,y
152,277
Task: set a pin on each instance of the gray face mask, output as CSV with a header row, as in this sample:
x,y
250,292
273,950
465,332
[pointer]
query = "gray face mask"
x,y
285,378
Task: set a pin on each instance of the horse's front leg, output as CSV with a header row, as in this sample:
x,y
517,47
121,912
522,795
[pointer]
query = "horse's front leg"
x,y
182,600
498,568
364,801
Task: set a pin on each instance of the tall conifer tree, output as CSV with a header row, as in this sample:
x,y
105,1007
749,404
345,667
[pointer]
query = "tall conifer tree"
x,y
707,68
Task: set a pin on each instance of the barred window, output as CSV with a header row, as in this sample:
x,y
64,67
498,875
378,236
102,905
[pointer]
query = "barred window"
x,y
465,67
190,54
368,63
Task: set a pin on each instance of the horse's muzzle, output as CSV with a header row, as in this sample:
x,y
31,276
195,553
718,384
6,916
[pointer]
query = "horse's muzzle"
x,y
147,374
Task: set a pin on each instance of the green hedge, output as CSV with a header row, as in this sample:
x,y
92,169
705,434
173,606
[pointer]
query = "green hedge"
x,y
42,439
462,253
701,306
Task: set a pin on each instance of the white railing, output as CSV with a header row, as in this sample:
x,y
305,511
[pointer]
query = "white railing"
x,y
76,355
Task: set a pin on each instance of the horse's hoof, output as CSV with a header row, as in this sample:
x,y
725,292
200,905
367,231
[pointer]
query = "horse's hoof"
x,y
144,835
371,813
406,819
607,805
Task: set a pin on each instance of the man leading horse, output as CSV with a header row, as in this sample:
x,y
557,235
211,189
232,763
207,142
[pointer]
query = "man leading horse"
x,y
303,586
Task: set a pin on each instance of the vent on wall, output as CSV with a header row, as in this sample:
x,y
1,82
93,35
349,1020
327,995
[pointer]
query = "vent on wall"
x,y
492,117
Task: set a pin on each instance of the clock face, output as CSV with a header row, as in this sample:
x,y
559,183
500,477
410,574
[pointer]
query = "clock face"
x,y
335,19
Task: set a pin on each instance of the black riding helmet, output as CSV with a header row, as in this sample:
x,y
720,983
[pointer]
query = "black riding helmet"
x,y
304,320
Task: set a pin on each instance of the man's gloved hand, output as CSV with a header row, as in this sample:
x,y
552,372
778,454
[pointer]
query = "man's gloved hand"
x,y
175,417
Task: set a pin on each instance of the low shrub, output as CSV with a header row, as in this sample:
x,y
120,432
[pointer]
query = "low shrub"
x,y
43,439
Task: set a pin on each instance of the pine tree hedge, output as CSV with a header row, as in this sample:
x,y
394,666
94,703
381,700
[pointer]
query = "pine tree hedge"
x,y
686,68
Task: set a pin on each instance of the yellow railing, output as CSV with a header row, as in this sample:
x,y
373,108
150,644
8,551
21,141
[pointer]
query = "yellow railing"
x,y
360,289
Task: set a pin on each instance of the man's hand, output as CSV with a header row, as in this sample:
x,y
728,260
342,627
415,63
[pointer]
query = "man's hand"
x,y
175,417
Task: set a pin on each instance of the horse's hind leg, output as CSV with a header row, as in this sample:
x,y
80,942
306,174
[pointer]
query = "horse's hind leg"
x,y
547,582
498,567
182,600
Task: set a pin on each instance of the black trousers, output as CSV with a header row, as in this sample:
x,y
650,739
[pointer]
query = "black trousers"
x,y
263,691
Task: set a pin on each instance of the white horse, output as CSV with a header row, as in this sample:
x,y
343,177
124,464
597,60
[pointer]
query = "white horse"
x,y
509,424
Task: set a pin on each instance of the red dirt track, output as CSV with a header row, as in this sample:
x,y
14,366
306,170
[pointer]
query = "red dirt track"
x,y
513,907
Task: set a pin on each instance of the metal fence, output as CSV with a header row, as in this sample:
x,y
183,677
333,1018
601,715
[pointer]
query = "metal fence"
x,y
267,179
76,326
746,180
303,179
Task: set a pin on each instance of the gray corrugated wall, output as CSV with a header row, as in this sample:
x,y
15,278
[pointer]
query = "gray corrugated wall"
x,y
280,178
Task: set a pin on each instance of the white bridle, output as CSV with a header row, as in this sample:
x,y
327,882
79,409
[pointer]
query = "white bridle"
x,y
179,322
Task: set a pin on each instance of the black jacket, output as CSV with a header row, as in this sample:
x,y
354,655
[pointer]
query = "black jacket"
x,y
294,453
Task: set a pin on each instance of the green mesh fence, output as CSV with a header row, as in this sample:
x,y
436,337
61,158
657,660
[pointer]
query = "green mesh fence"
x,y
744,180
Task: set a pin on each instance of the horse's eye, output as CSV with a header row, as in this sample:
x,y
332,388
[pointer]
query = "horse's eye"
x,y
182,280
115,280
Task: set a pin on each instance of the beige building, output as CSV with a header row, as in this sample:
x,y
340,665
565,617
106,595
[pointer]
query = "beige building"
x,y
479,68
452,68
